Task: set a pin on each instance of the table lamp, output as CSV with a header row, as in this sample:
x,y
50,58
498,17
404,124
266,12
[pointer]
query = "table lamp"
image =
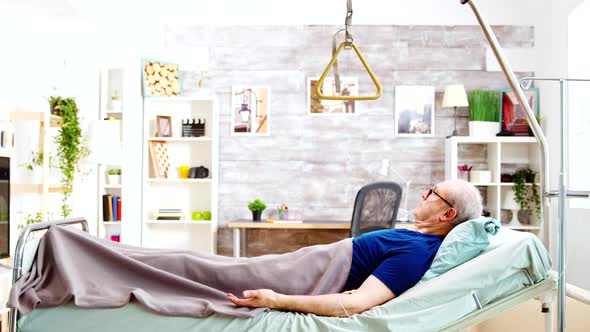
x,y
508,203
384,171
455,96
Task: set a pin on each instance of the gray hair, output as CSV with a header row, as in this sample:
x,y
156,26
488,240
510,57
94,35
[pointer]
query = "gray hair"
x,y
466,200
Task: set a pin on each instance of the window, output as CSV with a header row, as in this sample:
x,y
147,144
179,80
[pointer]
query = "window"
x,y
579,103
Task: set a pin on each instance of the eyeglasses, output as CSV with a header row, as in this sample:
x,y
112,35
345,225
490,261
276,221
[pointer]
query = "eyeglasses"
x,y
433,191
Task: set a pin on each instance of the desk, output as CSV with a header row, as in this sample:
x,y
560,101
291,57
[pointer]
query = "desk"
x,y
240,226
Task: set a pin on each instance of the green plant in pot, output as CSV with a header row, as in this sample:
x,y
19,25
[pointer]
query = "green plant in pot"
x,y
484,112
71,146
527,199
37,161
34,218
114,176
257,206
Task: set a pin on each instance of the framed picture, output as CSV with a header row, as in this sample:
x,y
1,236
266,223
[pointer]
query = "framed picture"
x,y
250,111
414,111
512,117
159,158
160,79
317,106
164,125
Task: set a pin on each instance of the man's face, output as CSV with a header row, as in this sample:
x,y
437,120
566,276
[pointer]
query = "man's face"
x,y
433,204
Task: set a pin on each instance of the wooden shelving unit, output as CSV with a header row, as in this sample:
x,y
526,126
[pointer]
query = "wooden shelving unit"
x,y
46,121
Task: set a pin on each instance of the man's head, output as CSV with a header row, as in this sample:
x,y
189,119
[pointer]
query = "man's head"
x,y
446,205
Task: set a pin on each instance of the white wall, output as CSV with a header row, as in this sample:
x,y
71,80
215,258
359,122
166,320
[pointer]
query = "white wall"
x,y
95,33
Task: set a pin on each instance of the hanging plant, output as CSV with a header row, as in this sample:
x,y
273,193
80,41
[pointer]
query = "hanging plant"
x,y
525,198
71,146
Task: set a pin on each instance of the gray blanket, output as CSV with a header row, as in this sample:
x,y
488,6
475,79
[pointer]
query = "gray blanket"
x,y
97,273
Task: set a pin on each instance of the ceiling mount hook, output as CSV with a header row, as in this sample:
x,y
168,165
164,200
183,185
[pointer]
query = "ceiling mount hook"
x,y
347,44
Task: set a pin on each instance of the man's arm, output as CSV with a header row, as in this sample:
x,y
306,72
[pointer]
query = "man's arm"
x,y
371,293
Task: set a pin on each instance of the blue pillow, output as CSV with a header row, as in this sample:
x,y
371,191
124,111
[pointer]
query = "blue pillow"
x,y
466,241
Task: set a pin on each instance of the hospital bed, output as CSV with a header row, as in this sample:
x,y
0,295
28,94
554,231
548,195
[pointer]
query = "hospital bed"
x,y
512,269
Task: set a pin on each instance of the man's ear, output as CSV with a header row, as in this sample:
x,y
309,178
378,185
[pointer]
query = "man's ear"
x,y
449,216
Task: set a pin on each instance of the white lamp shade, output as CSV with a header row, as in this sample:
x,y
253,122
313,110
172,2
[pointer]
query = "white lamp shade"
x,y
104,141
508,201
455,96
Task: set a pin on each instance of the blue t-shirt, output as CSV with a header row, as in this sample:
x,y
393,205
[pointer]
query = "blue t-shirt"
x,y
397,257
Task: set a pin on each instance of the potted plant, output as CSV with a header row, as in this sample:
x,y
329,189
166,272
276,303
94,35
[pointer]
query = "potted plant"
x,y
116,102
522,195
35,218
114,176
32,167
257,206
71,146
484,112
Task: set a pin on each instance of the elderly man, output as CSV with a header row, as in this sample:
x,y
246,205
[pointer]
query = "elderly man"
x,y
385,263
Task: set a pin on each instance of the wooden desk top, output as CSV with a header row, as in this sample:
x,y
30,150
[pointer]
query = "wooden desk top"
x,y
307,224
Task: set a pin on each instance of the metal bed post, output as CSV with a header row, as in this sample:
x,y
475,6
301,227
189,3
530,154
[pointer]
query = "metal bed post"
x,y
562,192
19,253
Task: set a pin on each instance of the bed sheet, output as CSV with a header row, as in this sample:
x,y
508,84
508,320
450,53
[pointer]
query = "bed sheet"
x,y
428,306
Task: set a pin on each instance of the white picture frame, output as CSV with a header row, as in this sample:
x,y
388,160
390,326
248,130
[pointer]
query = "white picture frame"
x,y
414,111
257,101
331,107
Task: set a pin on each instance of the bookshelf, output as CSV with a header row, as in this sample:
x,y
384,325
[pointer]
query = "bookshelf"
x,y
111,84
503,155
48,125
172,192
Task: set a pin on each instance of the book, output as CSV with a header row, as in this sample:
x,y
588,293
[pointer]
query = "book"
x,y
118,208
105,208
167,218
115,208
109,208
285,221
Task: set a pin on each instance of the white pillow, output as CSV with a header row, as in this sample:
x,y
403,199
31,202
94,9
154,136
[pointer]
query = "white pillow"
x,y
466,241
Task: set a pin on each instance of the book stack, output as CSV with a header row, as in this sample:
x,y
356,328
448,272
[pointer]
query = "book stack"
x,y
111,208
169,214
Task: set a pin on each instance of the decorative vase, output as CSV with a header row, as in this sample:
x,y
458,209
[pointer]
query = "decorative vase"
x,y
114,179
256,215
483,128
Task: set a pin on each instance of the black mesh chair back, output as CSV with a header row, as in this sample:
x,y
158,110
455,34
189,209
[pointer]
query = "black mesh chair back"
x,y
375,207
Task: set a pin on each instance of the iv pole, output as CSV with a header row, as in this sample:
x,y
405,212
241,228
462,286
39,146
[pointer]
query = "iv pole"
x,y
562,192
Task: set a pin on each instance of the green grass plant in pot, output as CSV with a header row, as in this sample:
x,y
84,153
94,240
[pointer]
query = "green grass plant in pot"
x,y
484,112
257,206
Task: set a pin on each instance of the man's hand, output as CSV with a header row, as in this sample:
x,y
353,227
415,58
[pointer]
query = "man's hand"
x,y
371,293
260,298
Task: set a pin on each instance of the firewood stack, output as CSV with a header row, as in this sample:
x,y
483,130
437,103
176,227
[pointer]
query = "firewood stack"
x,y
161,79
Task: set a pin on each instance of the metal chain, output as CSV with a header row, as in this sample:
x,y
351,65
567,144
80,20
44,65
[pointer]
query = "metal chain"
x,y
347,40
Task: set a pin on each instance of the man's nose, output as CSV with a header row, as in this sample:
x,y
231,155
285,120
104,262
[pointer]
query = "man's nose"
x,y
424,196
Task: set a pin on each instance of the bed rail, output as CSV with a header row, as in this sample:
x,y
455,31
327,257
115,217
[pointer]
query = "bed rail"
x,y
578,293
20,251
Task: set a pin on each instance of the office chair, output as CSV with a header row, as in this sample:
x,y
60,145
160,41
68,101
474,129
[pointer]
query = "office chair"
x,y
375,207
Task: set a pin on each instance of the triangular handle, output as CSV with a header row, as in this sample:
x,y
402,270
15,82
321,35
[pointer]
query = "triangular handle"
x,y
369,71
